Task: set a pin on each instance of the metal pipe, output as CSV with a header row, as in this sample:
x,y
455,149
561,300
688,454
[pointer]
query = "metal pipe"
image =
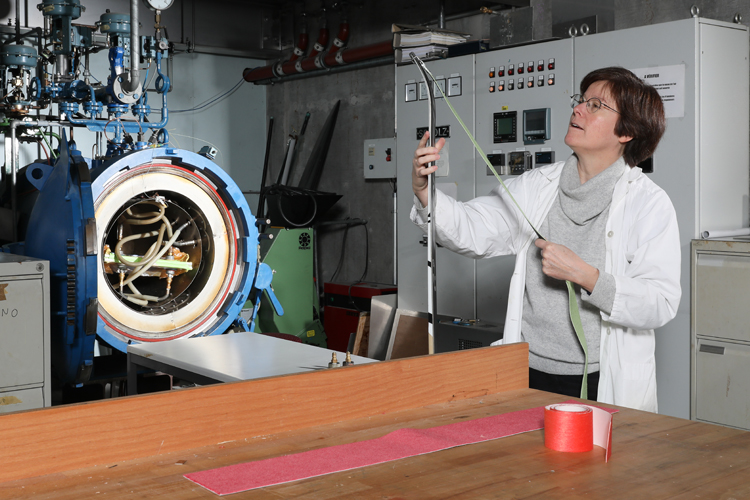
x,y
18,21
359,54
441,16
341,38
320,44
133,81
288,67
13,169
463,15
301,47
332,60
371,63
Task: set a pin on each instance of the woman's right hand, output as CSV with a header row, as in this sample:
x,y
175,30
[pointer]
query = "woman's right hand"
x,y
422,156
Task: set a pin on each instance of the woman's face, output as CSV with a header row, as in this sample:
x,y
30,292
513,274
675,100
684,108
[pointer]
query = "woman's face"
x,y
593,134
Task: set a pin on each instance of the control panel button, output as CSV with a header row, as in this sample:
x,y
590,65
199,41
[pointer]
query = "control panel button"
x,y
551,64
520,68
540,65
492,87
540,81
511,70
551,79
501,85
520,83
501,71
492,72
530,83
530,67
511,84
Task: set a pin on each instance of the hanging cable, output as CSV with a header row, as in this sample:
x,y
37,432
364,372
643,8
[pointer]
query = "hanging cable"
x,y
213,100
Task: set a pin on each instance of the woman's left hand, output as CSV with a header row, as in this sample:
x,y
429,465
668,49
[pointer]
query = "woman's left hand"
x,y
561,263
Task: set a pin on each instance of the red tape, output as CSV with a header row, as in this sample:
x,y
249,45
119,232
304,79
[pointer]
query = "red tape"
x,y
577,428
569,428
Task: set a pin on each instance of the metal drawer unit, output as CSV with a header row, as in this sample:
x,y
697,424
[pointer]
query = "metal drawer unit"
x,y
24,334
720,332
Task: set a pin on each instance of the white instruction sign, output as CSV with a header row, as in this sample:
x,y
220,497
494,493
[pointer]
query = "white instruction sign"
x,y
669,81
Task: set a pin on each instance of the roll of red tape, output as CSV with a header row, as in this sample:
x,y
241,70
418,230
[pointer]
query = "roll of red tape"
x,y
569,427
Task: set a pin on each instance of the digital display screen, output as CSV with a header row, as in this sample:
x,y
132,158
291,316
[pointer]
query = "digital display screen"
x,y
536,120
505,125
536,125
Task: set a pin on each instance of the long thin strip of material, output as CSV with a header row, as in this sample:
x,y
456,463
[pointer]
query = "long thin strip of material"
x,y
575,316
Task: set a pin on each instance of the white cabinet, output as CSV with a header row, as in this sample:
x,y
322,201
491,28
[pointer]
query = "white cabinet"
x,y
720,326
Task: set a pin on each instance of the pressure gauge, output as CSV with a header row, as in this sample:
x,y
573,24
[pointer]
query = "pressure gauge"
x,y
158,4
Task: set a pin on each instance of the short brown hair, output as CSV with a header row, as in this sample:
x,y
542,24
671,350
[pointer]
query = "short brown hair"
x,y
641,110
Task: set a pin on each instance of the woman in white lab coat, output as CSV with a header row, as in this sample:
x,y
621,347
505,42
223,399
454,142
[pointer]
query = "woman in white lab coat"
x,y
609,230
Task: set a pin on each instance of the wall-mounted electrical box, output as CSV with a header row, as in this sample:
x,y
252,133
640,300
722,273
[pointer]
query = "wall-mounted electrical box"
x,y
380,158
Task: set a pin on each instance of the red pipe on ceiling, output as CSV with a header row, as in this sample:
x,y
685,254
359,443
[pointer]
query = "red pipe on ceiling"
x,y
339,58
301,47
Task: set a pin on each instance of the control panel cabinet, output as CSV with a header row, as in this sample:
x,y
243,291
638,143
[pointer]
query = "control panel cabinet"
x,y
25,382
720,332
538,101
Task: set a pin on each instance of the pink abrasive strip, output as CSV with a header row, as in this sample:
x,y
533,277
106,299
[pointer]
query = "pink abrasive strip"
x,y
398,444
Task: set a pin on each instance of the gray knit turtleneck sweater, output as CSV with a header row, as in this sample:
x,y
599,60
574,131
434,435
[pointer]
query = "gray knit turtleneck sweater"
x,y
577,219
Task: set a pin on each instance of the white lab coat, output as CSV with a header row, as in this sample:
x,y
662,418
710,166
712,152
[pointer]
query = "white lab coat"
x,y
642,253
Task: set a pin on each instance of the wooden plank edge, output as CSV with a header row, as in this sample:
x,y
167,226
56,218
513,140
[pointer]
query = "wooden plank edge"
x,y
71,437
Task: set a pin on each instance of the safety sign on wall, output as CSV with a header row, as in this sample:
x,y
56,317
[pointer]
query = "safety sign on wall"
x,y
669,81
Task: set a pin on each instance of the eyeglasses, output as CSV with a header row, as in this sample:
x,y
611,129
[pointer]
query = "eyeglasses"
x,y
593,104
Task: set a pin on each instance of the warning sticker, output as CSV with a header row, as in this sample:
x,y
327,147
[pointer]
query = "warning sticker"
x,y
669,81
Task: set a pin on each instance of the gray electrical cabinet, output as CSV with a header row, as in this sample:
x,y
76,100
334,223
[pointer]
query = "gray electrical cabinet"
x,y
24,334
720,324
702,161
700,67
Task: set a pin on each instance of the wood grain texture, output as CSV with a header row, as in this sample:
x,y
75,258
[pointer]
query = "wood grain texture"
x,y
654,457
96,434
362,337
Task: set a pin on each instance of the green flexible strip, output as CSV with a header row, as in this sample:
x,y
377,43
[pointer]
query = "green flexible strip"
x,y
575,316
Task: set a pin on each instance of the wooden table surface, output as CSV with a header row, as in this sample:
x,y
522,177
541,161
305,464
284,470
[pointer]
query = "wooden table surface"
x,y
141,446
654,457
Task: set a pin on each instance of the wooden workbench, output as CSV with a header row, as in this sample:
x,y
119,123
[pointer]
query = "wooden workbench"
x,y
140,446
